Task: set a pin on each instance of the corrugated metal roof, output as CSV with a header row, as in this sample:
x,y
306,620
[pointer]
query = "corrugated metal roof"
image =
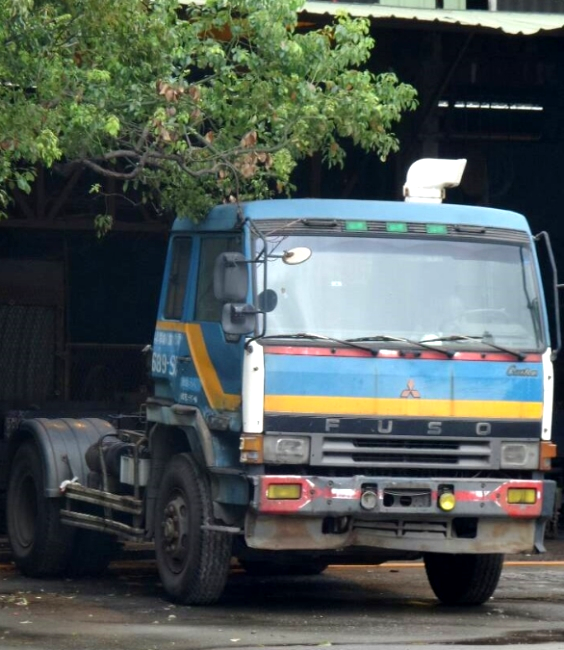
x,y
504,21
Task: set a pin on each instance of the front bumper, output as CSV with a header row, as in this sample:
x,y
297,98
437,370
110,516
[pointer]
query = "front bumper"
x,y
404,515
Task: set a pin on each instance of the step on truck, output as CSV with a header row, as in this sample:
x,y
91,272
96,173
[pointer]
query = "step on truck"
x,y
335,381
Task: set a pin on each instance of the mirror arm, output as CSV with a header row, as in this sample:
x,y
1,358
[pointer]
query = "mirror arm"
x,y
545,236
265,284
244,309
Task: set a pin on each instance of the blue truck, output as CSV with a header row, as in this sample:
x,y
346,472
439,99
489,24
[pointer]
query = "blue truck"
x,y
335,381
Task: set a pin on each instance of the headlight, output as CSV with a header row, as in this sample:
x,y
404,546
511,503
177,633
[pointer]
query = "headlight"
x,y
286,450
519,455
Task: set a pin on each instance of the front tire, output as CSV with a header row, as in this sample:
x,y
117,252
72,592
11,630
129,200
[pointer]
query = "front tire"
x,y
463,579
193,563
41,544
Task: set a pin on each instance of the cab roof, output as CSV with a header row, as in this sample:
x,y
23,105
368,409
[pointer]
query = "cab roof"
x,y
229,216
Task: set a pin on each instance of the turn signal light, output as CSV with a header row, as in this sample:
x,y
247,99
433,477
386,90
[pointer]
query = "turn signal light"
x,y
284,491
547,453
251,448
447,501
522,495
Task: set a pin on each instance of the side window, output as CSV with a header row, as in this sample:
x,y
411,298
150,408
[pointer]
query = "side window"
x,y
178,278
207,307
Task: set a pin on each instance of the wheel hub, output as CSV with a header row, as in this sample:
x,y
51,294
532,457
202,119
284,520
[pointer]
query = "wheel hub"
x,y
175,528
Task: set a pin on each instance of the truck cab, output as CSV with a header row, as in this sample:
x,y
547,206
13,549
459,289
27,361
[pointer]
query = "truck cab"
x,y
373,375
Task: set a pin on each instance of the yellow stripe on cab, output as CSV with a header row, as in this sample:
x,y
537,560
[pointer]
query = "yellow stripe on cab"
x,y
403,407
218,399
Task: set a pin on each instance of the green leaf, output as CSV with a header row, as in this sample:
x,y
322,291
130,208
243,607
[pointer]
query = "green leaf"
x,y
112,126
103,224
22,184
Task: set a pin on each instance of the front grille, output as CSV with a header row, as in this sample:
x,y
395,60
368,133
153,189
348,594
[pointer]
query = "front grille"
x,y
387,459
395,452
407,444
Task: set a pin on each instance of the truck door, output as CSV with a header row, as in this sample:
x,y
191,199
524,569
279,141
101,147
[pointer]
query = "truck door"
x,y
192,363
218,364
170,344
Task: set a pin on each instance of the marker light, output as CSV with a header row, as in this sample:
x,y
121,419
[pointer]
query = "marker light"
x,y
447,501
396,227
522,495
284,491
356,225
436,229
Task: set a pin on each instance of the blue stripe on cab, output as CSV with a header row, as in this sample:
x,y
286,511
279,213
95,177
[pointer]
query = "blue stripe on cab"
x,y
387,378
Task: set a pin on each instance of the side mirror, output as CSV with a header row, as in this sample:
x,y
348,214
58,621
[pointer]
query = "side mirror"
x,y
297,255
231,277
237,319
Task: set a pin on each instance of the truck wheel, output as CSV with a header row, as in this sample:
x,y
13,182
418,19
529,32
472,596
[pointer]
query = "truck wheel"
x,y
463,579
92,553
193,563
271,568
40,543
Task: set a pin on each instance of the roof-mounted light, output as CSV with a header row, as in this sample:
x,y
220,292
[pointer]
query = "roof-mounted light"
x,y
428,178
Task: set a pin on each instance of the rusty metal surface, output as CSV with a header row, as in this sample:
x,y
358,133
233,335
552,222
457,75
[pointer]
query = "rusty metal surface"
x,y
494,536
93,522
294,533
290,533
121,503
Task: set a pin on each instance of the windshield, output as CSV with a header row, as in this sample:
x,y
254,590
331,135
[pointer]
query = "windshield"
x,y
354,287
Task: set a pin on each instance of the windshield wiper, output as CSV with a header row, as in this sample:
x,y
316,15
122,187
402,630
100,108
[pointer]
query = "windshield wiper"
x,y
480,339
320,337
392,339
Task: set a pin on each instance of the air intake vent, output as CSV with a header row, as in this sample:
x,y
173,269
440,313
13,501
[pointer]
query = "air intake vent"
x,y
382,451
399,528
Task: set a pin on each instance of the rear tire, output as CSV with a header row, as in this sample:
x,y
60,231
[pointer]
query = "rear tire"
x,y
463,579
41,544
193,563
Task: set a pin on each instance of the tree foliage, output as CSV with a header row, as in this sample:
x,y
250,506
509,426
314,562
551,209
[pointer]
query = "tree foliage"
x,y
194,103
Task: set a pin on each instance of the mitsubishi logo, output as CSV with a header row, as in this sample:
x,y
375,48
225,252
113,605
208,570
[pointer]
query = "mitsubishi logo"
x,y
410,391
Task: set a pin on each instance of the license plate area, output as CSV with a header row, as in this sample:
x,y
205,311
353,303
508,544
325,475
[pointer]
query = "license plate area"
x,y
406,498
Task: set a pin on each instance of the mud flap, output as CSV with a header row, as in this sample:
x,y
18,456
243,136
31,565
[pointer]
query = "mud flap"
x,y
549,500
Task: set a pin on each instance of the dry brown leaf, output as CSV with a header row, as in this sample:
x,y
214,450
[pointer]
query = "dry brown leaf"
x,y
249,139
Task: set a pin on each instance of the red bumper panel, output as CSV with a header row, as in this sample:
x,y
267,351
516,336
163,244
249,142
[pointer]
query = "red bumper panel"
x,y
323,496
